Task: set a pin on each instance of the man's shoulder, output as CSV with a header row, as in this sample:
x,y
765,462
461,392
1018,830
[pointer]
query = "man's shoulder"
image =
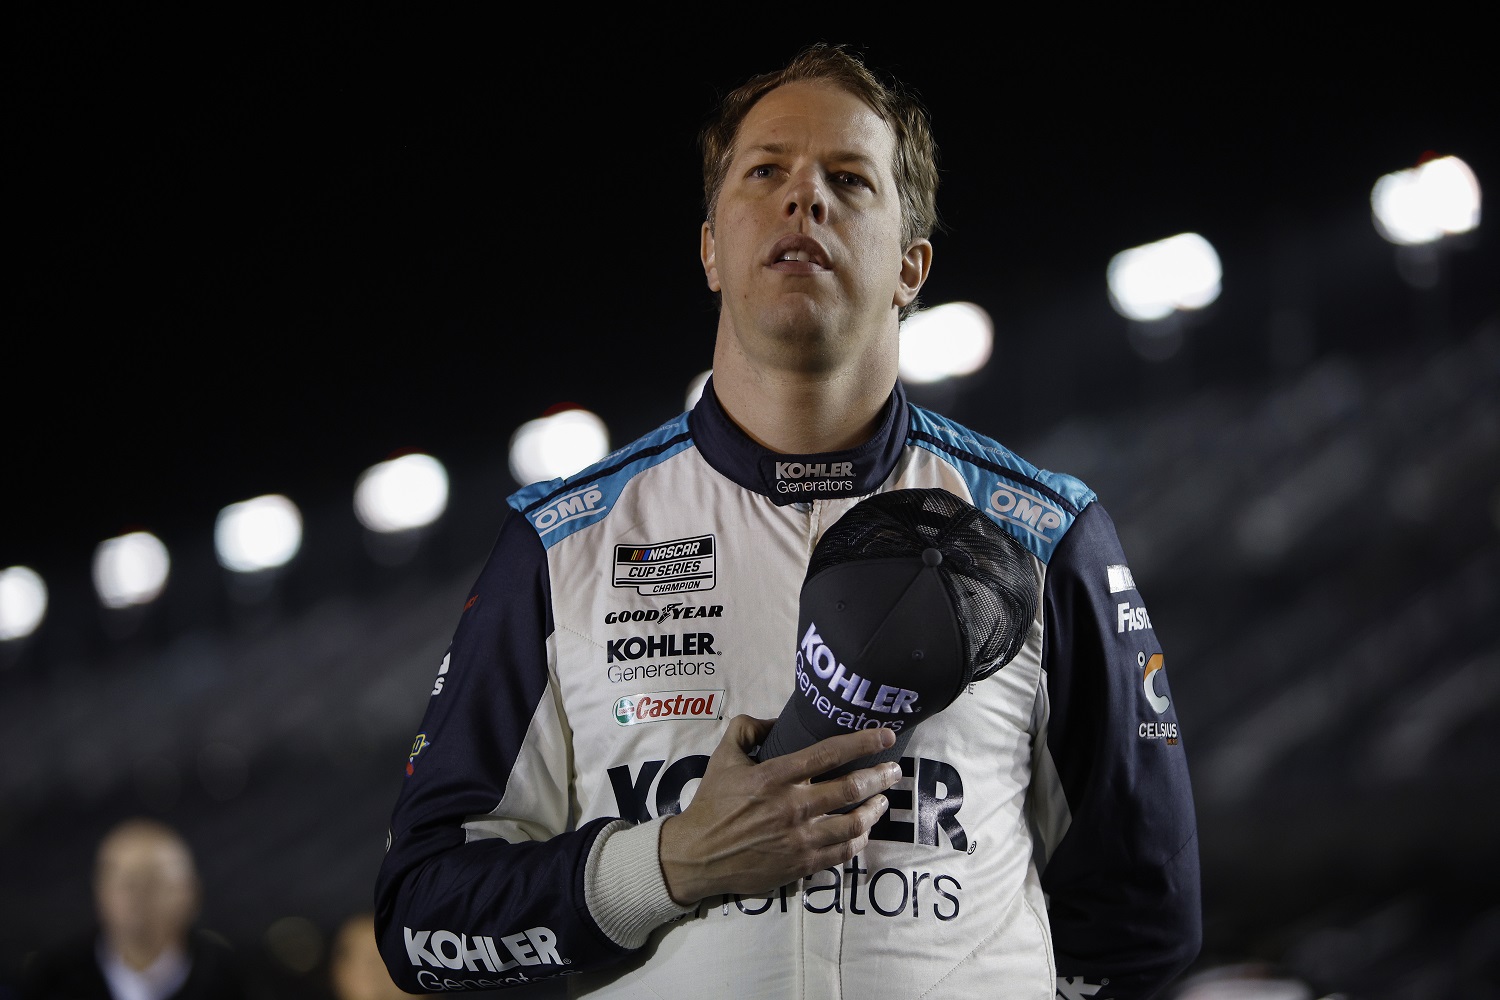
x,y
965,446
558,507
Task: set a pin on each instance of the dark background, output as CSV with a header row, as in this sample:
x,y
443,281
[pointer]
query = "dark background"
x,y
257,254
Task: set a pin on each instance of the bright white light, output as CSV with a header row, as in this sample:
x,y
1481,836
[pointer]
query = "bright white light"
x,y
130,569
406,492
1149,282
257,534
946,341
695,388
23,602
1437,199
557,446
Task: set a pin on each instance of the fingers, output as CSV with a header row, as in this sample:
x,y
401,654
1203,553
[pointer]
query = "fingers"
x,y
834,752
746,732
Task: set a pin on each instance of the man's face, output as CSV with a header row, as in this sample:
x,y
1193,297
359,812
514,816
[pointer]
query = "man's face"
x,y
146,887
806,249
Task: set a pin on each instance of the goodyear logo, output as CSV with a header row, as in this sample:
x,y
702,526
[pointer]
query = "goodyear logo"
x,y
1026,511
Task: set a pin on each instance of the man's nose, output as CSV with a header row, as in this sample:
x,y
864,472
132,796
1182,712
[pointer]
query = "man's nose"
x,y
805,196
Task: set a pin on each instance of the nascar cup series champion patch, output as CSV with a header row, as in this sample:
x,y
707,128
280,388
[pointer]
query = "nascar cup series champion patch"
x,y
909,597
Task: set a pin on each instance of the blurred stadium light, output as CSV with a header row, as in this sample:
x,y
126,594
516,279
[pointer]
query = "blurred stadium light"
x,y
130,569
946,341
1438,197
23,602
1153,281
410,491
557,445
257,534
695,389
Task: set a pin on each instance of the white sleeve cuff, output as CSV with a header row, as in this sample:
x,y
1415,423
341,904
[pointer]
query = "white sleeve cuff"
x,y
623,883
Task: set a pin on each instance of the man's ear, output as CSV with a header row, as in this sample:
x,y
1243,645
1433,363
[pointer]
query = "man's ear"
x,y
706,254
915,265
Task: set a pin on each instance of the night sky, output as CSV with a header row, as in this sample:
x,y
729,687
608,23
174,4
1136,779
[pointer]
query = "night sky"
x,y
256,255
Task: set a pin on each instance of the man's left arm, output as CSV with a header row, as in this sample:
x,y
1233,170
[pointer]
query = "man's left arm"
x,y
1121,873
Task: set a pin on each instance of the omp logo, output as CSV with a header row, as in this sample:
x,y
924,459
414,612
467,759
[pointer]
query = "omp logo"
x,y
670,567
1025,511
571,507
664,706
1129,618
1120,578
924,804
478,953
813,470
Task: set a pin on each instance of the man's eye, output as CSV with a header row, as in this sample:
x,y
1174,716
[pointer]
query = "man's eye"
x,y
764,170
851,179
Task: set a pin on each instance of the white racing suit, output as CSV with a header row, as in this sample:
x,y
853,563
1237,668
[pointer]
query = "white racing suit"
x,y
1041,843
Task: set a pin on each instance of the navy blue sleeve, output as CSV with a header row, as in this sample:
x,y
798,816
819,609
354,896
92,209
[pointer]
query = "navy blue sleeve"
x,y
1122,884
454,911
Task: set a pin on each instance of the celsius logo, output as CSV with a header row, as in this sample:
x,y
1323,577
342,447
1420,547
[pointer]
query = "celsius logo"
x,y
1026,511
813,470
1157,663
569,508
664,706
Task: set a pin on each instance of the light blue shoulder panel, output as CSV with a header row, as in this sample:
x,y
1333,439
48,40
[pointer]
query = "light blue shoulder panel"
x,y
1035,505
559,507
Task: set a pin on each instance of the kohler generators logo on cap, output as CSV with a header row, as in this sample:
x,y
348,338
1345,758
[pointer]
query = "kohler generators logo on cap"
x,y
841,695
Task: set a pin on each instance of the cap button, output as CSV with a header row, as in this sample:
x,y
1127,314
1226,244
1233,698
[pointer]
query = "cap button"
x,y
931,557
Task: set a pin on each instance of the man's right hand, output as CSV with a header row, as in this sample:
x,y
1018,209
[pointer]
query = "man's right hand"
x,y
752,827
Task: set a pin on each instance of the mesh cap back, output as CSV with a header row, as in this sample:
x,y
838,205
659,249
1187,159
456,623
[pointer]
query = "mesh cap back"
x,y
990,582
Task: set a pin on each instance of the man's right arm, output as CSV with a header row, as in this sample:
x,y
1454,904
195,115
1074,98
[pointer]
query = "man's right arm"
x,y
483,882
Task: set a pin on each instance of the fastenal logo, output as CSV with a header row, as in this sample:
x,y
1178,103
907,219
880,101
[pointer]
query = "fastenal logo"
x,y
671,567
1025,511
581,503
666,706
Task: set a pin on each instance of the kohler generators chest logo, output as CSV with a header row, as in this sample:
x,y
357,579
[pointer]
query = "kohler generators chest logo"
x,y
810,480
672,567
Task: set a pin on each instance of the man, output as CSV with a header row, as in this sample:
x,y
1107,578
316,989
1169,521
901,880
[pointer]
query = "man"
x,y
355,969
583,801
147,947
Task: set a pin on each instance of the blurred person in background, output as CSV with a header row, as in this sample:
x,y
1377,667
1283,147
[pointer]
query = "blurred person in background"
x,y
146,944
355,969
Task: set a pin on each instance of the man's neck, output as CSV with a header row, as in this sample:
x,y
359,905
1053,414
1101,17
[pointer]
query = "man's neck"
x,y
799,413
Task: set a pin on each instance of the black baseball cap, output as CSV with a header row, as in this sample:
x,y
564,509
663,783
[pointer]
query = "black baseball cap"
x,y
909,597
